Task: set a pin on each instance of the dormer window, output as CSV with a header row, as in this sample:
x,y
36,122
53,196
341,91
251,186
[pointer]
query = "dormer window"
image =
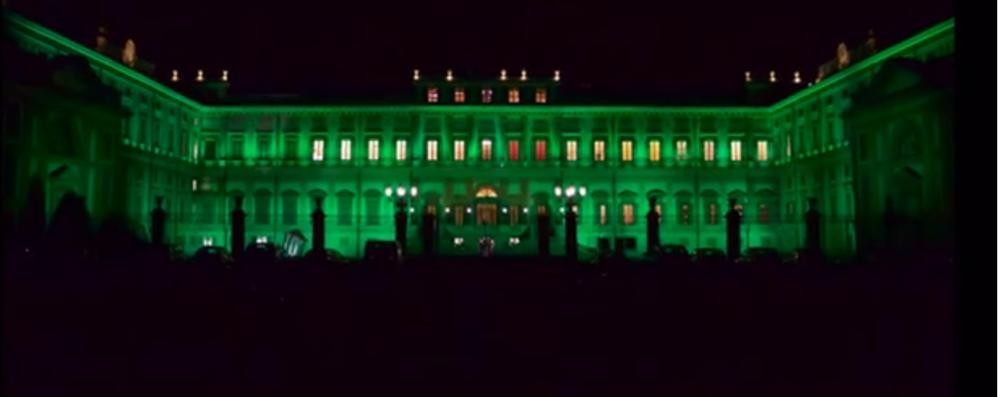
x,y
432,95
541,95
459,95
486,95
514,95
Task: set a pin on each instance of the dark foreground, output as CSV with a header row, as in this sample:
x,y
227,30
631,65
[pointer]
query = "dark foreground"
x,y
489,328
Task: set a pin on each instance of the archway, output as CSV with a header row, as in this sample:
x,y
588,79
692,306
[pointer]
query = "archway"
x,y
486,206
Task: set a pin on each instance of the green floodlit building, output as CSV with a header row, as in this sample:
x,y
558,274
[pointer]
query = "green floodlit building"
x,y
871,141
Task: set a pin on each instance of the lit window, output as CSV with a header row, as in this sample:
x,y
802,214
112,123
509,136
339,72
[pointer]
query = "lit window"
x,y
762,151
712,214
789,152
318,149
541,95
540,150
599,150
628,211
486,95
373,149
658,210
432,95
486,149
627,150
291,146
736,150
459,150
237,147
602,214
654,150
345,145
459,95
210,151
263,146
681,150
431,150
684,214
708,150
194,185
400,154
572,150
514,95
514,150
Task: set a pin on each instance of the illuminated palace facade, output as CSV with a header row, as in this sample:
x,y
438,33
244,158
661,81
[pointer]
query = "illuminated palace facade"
x,y
486,157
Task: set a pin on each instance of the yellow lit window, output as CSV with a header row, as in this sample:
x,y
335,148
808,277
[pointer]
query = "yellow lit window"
x,y
486,149
599,150
345,149
681,149
541,95
762,150
602,214
400,152
372,149
459,95
628,211
459,150
736,150
318,149
655,150
627,150
572,150
514,95
708,150
431,150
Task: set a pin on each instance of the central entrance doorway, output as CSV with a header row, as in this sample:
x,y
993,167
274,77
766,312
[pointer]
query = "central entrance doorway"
x,y
486,206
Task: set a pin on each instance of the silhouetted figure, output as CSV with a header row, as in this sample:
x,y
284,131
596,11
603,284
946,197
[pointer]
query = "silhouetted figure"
x,y
238,228
571,235
69,233
117,237
812,240
734,228
428,233
158,223
543,234
318,227
401,217
653,218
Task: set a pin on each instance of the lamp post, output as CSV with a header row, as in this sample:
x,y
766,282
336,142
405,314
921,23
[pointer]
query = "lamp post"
x,y
571,218
401,196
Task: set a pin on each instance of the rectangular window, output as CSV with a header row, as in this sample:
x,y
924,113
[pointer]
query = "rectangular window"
x,y
599,150
237,147
514,150
572,150
291,146
602,214
373,149
432,95
628,212
681,149
458,150
736,150
540,150
762,151
431,150
627,150
263,146
459,95
514,95
210,150
712,214
400,152
344,207
458,215
345,146
708,150
318,149
655,150
486,95
541,95
486,149
763,214
789,147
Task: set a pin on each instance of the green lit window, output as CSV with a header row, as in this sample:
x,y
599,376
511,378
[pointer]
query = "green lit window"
x,y
712,217
372,202
514,150
262,213
373,149
291,146
627,210
681,149
684,213
709,153
486,149
344,207
627,150
210,149
459,150
290,216
459,95
318,149
432,95
263,146
541,95
789,147
237,147
736,150
514,95
345,147
400,149
572,150
762,150
655,150
431,150
599,150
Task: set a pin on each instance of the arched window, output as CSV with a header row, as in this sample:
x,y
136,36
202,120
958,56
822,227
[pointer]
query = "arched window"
x,y
372,207
290,208
344,208
261,213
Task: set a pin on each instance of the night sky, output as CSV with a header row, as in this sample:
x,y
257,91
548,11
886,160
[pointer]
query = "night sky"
x,y
291,46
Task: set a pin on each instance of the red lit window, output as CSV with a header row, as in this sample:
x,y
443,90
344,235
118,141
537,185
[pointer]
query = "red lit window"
x,y
432,95
540,150
514,150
